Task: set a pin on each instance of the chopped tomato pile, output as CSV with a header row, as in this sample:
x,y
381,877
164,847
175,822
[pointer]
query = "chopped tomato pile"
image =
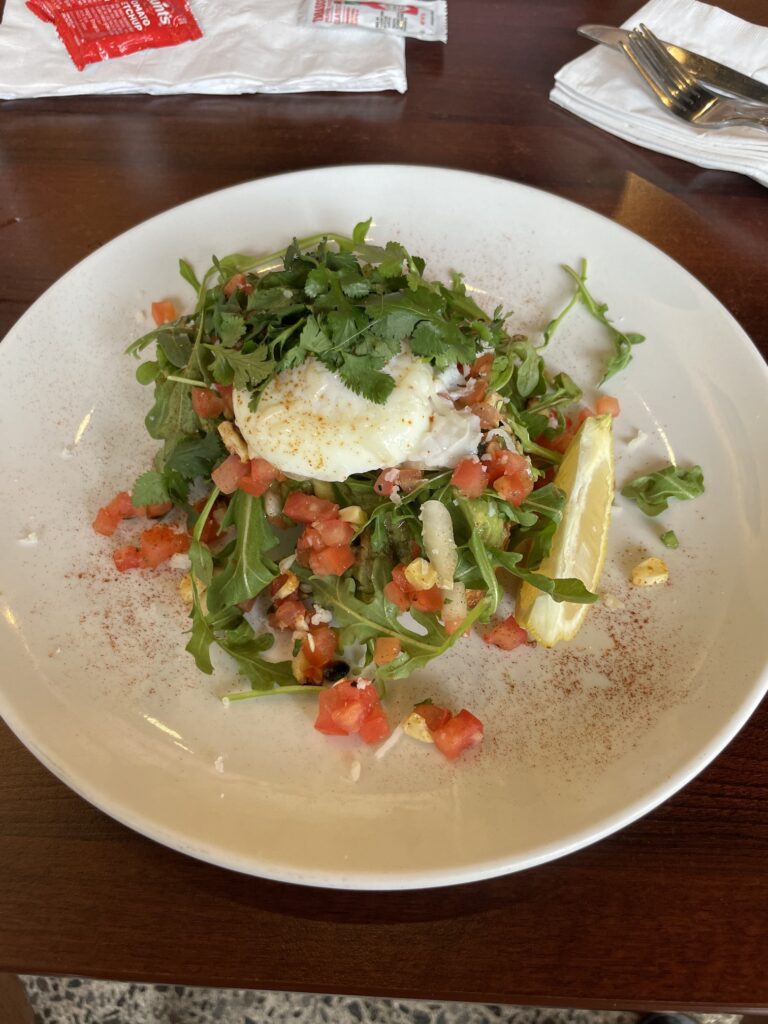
x,y
350,707
451,734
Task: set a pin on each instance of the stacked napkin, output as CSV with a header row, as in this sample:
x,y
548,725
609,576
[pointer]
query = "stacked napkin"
x,y
247,46
604,88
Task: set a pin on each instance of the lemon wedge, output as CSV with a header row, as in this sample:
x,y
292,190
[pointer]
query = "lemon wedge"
x,y
581,540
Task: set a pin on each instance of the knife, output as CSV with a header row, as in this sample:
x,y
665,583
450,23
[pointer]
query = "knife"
x,y
717,76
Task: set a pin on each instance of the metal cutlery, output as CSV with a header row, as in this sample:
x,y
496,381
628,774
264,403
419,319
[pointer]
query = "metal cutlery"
x,y
718,77
683,95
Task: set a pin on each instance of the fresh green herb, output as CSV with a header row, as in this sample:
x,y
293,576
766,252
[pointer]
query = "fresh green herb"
x,y
669,539
622,341
653,492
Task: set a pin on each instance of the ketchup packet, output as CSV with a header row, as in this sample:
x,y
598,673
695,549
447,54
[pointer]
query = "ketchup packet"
x,y
94,30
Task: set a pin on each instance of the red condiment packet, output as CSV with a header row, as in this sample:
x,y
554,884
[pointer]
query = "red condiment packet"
x,y
45,11
94,30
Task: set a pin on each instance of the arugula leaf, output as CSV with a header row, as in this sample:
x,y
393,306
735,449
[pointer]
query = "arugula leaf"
x,y
186,271
669,539
150,489
568,589
653,492
245,647
247,571
362,621
176,347
622,342
172,416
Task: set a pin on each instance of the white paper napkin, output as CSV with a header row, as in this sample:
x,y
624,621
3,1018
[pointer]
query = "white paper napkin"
x,y
603,87
247,46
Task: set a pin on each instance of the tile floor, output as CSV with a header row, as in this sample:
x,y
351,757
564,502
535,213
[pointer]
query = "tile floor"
x,y
81,1001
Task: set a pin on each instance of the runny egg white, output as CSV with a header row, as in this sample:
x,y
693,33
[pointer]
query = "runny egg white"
x,y
310,425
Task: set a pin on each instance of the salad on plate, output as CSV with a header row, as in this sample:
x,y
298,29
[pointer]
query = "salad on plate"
x,y
357,462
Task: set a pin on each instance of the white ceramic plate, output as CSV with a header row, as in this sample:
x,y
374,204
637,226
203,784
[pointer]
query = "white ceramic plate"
x,y
579,741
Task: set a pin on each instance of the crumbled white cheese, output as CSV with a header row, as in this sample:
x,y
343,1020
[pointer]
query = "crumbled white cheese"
x,y
29,540
354,771
68,451
218,764
320,615
180,561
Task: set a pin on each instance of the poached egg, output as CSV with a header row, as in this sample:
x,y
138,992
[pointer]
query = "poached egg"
x,y
309,424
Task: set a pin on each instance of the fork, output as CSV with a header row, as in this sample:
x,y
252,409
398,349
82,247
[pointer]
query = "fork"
x,y
682,94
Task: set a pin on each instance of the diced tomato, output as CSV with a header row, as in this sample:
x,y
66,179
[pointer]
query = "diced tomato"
x,y
404,479
474,396
507,634
334,532
483,365
560,441
309,540
375,726
106,522
288,614
394,594
225,391
583,414
306,508
514,489
321,649
386,649
488,414
228,474
206,403
506,463
458,734
111,515
427,600
352,706
401,580
238,282
261,475
433,715
409,478
155,511
510,474
386,482
159,543
331,561
607,404
163,312
127,557
469,477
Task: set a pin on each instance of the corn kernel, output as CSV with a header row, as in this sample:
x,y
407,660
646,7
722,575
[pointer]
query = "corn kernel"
x,y
420,574
650,572
353,514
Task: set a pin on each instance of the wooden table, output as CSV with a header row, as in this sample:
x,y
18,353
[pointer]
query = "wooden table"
x,y
671,912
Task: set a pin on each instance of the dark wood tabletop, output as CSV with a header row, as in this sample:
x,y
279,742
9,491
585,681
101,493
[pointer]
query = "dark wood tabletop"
x,y
672,911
